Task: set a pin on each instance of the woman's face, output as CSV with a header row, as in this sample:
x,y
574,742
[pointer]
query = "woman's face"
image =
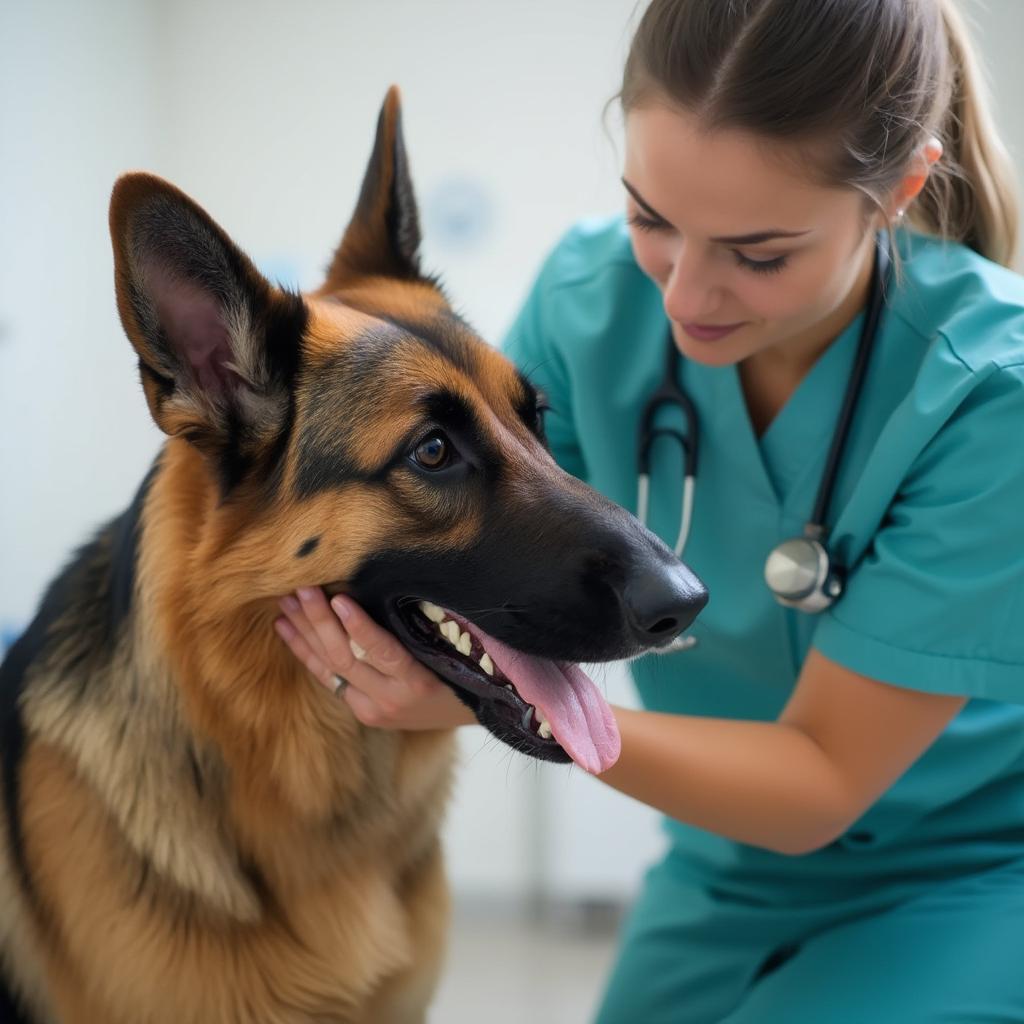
x,y
750,256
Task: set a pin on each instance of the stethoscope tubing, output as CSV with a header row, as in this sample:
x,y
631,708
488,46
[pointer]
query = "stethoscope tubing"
x,y
643,493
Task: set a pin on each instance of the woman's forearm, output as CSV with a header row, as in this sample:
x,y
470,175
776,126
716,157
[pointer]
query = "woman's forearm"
x,y
762,783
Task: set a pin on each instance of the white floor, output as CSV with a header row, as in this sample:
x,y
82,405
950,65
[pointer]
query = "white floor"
x,y
506,969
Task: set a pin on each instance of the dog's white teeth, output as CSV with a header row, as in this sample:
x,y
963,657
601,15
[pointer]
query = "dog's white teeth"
x,y
544,729
461,640
432,611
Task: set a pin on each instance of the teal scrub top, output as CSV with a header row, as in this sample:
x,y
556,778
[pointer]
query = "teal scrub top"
x,y
928,516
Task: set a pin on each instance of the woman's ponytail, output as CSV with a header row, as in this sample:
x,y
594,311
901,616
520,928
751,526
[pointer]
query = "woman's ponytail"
x,y
971,193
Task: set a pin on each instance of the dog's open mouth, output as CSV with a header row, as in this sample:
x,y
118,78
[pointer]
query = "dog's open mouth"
x,y
548,707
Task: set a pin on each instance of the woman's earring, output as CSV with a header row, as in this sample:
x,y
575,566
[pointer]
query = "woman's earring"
x,y
899,214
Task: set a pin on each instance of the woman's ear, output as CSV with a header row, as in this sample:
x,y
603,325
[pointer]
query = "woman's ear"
x,y
909,187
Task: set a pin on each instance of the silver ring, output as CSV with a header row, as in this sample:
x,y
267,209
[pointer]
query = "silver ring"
x,y
339,685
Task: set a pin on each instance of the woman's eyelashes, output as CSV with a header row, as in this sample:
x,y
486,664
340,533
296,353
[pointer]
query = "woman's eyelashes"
x,y
769,266
765,266
638,220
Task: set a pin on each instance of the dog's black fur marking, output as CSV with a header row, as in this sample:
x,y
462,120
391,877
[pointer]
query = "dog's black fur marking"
x,y
234,462
451,411
124,552
307,547
275,458
284,325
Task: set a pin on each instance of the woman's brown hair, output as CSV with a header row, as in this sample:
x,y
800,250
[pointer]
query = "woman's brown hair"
x,y
871,79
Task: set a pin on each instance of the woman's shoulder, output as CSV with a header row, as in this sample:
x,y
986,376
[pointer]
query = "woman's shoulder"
x,y
962,304
588,293
593,259
966,398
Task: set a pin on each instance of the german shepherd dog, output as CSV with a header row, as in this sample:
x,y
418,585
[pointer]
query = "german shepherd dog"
x,y
195,832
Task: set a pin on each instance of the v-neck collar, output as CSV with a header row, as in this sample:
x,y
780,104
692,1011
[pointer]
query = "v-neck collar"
x,y
797,439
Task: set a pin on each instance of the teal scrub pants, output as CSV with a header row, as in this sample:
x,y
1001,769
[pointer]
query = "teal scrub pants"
x,y
949,951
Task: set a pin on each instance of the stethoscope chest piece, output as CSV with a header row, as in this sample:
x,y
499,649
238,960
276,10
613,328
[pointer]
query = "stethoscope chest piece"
x,y
800,575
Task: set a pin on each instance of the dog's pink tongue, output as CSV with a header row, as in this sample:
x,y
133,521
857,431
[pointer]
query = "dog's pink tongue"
x,y
564,694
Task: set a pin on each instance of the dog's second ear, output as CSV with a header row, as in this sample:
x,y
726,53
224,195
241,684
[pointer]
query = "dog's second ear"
x,y
383,236
218,345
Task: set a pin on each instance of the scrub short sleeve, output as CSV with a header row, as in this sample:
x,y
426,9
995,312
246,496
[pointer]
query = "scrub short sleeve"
x,y
937,602
530,344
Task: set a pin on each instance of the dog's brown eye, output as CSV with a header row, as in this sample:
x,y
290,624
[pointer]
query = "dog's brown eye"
x,y
432,453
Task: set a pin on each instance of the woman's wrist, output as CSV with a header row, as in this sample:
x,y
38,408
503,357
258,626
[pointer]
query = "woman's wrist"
x,y
762,783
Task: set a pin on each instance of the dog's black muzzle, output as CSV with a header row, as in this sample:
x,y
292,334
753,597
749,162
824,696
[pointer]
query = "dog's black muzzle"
x,y
560,573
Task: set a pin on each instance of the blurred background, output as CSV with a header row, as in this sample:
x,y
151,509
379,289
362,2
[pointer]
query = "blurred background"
x,y
264,112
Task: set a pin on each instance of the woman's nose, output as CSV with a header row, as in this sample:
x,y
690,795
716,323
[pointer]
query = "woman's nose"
x,y
691,292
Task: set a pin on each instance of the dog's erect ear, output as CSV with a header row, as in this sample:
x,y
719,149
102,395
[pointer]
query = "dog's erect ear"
x,y
218,345
383,236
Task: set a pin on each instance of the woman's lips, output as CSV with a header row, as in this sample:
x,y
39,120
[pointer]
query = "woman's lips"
x,y
709,332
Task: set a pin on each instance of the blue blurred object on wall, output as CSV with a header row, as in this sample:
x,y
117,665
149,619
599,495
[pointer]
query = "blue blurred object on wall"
x,y
459,214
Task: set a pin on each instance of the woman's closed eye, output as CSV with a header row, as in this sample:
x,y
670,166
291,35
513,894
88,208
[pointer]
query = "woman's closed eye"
x,y
767,265
645,223
771,265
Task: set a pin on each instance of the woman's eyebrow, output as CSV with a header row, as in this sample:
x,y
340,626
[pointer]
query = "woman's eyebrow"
x,y
754,238
641,201
757,237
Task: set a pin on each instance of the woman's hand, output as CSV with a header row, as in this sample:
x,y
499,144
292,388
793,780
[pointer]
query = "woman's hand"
x,y
387,687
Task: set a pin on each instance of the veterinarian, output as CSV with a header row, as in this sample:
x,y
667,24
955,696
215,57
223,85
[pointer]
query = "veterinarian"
x,y
843,776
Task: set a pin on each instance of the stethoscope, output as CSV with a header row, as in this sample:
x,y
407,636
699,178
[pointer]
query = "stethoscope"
x,y
799,572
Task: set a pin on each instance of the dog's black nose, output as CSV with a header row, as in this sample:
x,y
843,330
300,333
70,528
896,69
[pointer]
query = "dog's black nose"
x,y
660,602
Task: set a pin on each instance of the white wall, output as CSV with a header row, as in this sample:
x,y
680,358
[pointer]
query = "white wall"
x,y
76,106
264,111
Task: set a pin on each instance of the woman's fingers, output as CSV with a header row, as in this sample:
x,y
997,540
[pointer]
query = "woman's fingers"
x,y
299,621
366,687
300,647
322,644
388,687
329,639
375,646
